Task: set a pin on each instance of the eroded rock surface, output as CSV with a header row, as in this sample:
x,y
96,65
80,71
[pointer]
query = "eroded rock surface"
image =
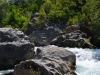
x,y
43,36
14,47
50,60
73,39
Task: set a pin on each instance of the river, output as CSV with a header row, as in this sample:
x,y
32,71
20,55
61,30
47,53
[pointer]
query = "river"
x,y
87,61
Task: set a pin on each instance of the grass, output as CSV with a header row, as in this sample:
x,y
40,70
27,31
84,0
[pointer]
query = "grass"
x,y
34,72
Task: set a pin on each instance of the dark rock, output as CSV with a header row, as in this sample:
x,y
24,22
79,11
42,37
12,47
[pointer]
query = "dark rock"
x,y
50,60
81,26
73,39
31,25
84,29
45,33
72,28
14,47
43,37
30,28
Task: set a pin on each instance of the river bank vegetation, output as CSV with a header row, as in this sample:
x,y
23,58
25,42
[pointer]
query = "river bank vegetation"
x,y
17,13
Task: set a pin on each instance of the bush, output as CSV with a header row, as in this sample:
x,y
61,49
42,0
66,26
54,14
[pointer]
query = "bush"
x,y
33,72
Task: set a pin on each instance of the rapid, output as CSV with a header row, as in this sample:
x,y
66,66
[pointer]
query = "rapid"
x,y
87,61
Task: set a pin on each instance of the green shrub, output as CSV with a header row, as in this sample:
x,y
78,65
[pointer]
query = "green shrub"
x,y
33,72
73,20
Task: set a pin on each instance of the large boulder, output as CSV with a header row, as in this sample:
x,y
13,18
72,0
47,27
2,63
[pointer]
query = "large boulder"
x,y
73,39
49,60
14,47
44,35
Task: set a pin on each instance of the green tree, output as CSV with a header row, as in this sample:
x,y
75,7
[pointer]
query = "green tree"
x,y
92,12
4,9
16,18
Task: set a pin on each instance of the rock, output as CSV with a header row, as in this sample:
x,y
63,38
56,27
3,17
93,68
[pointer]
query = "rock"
x,y
31,25
72,28
49,60
81,26
14,47
45,33
43,36
73,39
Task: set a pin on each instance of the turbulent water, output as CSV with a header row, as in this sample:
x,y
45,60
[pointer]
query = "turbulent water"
x,y
87,61
6,71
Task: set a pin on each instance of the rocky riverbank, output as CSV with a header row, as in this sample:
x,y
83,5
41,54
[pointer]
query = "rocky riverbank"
x,y
16,47
50,60
55,34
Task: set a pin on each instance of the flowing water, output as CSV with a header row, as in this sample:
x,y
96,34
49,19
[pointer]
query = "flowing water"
x,y
87,61
2,72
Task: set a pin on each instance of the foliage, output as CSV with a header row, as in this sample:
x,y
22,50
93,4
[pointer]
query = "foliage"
x,y
4,6
33,72
57,11
17,13
16,19
92,16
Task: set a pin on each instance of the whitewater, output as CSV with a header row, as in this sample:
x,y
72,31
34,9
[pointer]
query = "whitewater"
x,y
87,61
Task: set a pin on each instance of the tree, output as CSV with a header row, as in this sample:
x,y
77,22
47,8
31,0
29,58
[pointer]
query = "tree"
x,y
4,9
16,19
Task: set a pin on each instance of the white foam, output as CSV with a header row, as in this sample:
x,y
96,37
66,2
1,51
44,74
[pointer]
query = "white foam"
x,y
87,61
2,72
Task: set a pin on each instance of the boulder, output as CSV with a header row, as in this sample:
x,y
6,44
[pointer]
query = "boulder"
x,y
81,26
14,47
73,39
44,35
31,25
72,28
48,60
